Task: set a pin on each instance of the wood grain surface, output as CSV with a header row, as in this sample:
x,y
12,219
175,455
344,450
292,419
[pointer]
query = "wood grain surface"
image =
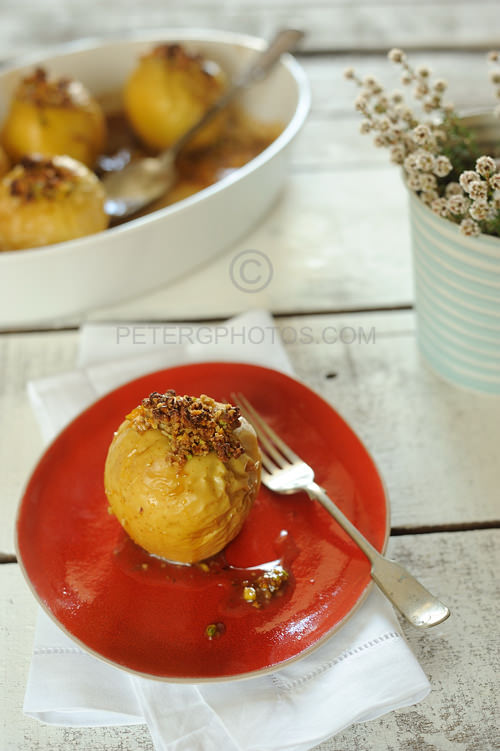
x,y
459,657
339,244
330,24
368,367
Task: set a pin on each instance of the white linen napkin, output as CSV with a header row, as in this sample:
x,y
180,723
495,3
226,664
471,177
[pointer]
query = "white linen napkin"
x,y
360,673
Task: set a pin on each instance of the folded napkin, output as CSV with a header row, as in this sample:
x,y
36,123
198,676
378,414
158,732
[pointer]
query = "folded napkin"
x,y
360,673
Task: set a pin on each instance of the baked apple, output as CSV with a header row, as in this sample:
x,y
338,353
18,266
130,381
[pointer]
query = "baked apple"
x,y
181,475
4,162
53,116
168,92
45,201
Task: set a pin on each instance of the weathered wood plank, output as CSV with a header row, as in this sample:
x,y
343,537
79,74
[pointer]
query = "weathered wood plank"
x,y
459,657
467,73
23,358
458,715
330,25
337,239
435,445
18,732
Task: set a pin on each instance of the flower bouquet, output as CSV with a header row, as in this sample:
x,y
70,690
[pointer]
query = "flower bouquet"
x,y
451,167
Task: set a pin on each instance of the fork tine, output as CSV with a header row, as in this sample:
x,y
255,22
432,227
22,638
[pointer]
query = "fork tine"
x,y
265,442
266,433
268,463
265,445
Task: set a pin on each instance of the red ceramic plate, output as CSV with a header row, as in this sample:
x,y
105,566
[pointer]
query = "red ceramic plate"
x,y
150,616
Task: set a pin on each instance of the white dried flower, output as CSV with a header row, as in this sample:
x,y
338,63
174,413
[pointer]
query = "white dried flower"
x,y
440,206
397,96
421,134
478,190
370,82
448,107
428,181
493,56
365,126
427,106
469,227
439,135
406,78
495,76
395,136
479,210
423,71
397,154
383,124
349,73
442,166
492,213
396,55
379,141
440,85
486,166
458,205
361,103
425,161
428,196
406,115
413,181
382,104
453,189
468,177
420,90
495,181
410,163
435,101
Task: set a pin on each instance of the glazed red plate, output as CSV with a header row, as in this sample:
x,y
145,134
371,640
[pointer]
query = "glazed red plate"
x,y
150,616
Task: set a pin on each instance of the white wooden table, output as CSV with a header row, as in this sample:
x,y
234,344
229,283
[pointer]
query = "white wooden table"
x,y
339,243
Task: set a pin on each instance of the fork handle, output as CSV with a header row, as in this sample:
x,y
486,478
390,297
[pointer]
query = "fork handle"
x,y
411,598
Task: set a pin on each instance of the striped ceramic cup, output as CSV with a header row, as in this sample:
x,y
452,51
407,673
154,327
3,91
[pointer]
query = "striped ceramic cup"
x,y
457,289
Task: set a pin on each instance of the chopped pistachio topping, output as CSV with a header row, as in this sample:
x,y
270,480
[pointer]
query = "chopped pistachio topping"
x,y
43,91
37,177
195,426
214,630
260,590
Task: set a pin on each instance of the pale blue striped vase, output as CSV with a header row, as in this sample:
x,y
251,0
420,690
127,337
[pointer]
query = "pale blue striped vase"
x,y
457,289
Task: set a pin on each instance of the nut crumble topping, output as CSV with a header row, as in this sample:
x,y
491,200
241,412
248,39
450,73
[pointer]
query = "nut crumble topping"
x,y
43,91
36,177
260,590
195,425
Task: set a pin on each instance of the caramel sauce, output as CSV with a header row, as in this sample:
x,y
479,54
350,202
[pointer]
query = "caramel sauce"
x,y
242,139
218,572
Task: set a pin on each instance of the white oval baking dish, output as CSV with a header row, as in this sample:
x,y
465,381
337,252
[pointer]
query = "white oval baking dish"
x,y
47,285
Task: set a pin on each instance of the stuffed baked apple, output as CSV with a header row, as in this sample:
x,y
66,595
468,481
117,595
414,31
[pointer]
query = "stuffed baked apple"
x,y
181,475
45,201
4,162
168,92
53,116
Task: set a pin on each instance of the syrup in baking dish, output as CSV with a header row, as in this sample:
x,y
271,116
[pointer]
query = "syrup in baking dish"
x,y
242,139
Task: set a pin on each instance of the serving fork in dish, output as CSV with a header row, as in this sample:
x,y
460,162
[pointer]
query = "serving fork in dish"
x,y
283,471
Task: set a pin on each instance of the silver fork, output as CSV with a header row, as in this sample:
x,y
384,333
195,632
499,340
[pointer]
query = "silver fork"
x,y
285,472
